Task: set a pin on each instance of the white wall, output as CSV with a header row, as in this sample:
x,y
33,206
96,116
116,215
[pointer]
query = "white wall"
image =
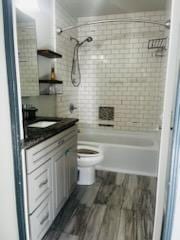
x,y
170,93
8,217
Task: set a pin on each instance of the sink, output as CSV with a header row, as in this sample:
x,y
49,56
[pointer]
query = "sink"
x,y
42,124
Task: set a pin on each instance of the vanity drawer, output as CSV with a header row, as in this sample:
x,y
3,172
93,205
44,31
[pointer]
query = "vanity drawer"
x,y
39,154
39,185
41,219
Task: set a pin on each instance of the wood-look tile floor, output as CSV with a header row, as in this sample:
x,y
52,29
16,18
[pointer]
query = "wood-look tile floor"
x,y
117,207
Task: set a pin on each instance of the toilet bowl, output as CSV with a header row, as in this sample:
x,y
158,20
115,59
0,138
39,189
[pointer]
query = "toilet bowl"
x,y
88,158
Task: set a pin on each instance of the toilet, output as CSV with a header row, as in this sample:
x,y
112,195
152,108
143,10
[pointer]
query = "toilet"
x,y
88,158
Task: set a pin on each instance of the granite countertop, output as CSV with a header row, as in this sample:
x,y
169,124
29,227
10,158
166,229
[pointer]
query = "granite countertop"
x,y
38,135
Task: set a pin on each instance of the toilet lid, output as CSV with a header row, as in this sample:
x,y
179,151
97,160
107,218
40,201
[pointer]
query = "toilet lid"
x,y
87,151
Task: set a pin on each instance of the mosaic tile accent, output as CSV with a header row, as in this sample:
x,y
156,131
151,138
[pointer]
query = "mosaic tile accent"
x,y
106,113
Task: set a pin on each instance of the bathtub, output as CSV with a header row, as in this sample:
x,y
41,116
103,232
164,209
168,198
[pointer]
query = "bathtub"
x,y
125,152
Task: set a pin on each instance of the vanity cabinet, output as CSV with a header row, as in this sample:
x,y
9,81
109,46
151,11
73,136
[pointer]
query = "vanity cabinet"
x,y
51,168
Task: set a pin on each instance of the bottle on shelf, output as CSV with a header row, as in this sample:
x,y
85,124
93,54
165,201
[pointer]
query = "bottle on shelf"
x,y
53,75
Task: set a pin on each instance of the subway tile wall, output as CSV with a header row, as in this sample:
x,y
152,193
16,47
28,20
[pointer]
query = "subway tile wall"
x,y
119,71
27,50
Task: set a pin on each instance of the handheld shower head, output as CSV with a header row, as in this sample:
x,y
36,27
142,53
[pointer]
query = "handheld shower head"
x,y
75,71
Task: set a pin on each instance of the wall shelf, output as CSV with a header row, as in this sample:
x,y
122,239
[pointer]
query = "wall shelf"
x,y
48,53
51,81
50,87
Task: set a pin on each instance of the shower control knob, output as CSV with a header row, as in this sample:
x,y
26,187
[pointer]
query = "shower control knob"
x,y
72,108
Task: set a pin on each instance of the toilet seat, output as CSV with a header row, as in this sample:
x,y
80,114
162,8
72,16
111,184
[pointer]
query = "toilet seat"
x,y
88,151
89,155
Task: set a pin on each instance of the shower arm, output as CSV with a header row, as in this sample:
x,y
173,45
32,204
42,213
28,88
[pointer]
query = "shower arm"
x,y
120,20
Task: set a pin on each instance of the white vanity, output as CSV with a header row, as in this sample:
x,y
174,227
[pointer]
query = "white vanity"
x,y
51,175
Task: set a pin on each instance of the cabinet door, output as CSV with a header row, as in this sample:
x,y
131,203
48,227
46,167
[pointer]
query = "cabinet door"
x,y
59,181
71,168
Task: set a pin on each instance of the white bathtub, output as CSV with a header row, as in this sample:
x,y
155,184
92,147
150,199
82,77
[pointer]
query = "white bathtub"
x,y
125,152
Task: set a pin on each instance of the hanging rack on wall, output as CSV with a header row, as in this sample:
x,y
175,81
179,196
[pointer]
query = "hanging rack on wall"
x,y
160,45
118,20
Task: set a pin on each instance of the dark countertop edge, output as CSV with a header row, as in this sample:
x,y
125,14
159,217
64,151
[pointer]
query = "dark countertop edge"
x,y
27,145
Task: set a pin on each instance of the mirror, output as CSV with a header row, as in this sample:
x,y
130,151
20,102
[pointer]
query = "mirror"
x,y
27,51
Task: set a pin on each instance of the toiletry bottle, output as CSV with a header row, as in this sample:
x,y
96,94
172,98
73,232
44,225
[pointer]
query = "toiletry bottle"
x,y
53,75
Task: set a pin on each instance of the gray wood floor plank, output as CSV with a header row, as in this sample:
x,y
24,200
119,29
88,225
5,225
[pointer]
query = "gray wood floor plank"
x,y
94,222
90,194
117,197
120,178
104,194
50,235
107,178
127,226
67,212
78,222
78,192
147,183
110,226
148,204
65,236
132,193
117,207
144,226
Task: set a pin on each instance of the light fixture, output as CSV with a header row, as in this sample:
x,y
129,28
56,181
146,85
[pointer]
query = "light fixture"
x,y
27,6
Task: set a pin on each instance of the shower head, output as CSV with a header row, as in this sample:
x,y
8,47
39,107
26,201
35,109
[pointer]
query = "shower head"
x,y
88,39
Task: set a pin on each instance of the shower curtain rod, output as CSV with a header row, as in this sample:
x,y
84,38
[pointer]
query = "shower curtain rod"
x,y
127,20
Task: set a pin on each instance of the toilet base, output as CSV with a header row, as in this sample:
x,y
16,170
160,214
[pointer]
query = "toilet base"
x,y
86,175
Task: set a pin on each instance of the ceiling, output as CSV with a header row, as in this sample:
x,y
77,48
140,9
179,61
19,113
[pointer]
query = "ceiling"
x,y
85,8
